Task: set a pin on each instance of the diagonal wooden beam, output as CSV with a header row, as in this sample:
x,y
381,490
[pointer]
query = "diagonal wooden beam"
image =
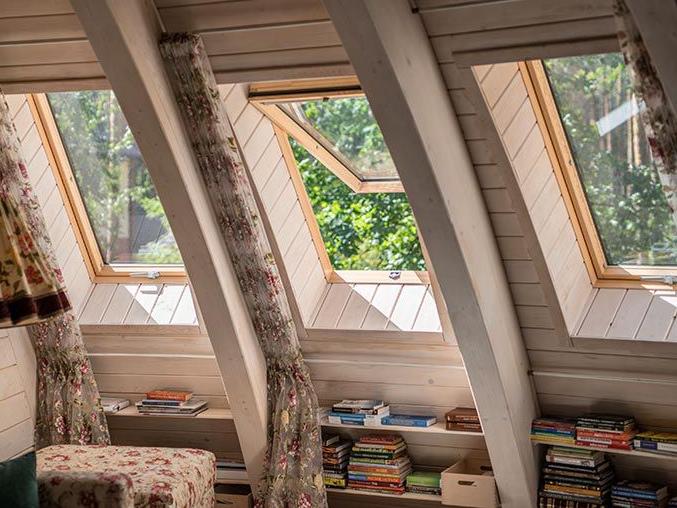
x,y
657,23
125,37
390,50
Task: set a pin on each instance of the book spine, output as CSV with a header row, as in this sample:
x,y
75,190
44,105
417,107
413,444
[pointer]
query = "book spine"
x,y
168,395
655,445
407,422
606,446
571,461
604,435
161,402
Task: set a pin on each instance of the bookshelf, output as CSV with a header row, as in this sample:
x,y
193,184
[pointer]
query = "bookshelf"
x,y
233,477
407,495
612,451
215,413
437,428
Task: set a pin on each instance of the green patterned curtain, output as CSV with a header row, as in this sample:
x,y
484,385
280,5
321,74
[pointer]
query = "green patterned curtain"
x,y
659,119
293,476
33,293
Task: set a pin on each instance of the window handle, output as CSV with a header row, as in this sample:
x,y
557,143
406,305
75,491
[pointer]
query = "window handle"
x,y
150,274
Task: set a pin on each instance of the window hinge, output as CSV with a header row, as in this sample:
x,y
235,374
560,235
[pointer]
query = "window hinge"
x,y
150,274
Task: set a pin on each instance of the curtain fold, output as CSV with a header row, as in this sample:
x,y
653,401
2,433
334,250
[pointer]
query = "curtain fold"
x,y
69,409
293,475
659,119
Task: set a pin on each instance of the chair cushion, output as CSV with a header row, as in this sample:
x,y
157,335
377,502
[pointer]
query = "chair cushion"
x,y
18,483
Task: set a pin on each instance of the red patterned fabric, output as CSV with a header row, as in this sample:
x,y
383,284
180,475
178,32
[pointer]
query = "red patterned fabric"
x,y
73,476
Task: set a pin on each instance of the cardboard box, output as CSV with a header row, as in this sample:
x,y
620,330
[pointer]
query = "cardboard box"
x,y
467,485
233,496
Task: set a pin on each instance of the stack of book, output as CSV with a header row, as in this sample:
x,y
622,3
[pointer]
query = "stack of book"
x,y
606,431
575,478
556,431
112,405
335,456
409,420
660,442
424,482
379,463
359,412
638,494
463,418
170,403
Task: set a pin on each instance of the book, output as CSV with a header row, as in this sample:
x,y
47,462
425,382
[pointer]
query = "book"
x,y
424,479
409,420
645,490
330,439
383,410
381,439
462,414
169,394
113,405
162,402
359,404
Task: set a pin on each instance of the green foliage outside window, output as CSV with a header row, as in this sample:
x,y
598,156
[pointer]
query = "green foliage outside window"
x,y
122,205
620,182
361,231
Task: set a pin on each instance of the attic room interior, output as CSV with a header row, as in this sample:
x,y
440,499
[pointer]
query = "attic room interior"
x,y
338,253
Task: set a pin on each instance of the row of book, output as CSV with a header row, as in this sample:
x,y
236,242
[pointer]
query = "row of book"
x,y
602,431
374,413
375,463
577,478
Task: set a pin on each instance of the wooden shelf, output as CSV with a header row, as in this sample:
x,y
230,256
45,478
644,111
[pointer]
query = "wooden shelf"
x,y
234,477
406,495
211,413
438,428
633,453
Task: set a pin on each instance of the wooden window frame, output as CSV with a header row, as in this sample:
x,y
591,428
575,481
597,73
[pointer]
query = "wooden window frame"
x,y
265,98
99,271
262,97
557,144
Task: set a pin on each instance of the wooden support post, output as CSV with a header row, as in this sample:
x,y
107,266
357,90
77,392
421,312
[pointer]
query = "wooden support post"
x,y
391,53
125,38
657,23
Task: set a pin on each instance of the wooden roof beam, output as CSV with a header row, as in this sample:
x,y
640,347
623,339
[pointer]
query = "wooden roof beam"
x,y
125,38
391,52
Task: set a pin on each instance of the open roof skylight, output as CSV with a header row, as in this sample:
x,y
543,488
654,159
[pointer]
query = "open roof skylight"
x,y
347,128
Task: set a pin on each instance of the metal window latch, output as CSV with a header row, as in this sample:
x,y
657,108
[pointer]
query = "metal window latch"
x,y
395,274
150,274
671,280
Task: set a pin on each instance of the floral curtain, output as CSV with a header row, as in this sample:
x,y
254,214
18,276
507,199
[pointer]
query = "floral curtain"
x,y
31,289
293,476
33,293
660,121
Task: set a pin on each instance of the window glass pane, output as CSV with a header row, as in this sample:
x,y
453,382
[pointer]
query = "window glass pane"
x,y
129,223
600,115
361,231
346,126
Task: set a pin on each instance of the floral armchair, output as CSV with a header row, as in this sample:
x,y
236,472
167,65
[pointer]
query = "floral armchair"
x,y
73,476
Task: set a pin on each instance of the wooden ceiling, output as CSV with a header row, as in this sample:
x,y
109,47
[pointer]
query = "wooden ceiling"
x,y
43,46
